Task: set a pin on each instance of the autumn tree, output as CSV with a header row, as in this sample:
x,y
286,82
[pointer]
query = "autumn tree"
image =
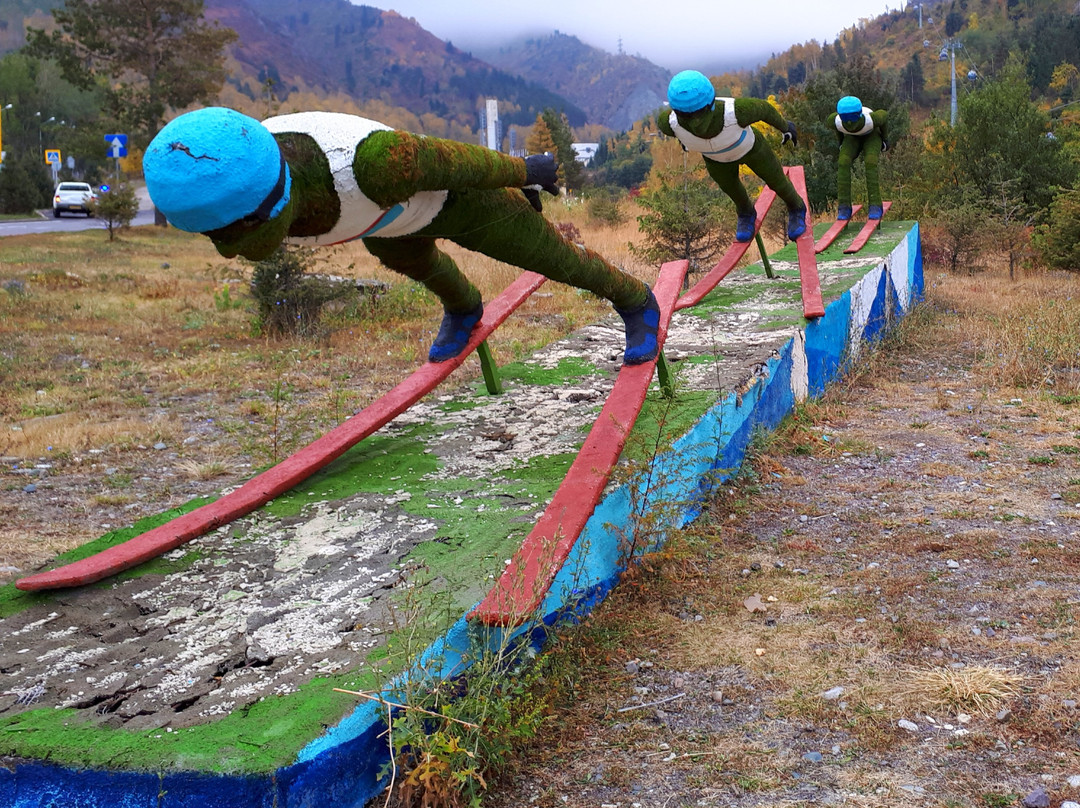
x,y
684,218
571,172
146,55
539,140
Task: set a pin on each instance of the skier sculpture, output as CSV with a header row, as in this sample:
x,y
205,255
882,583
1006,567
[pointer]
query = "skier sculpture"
x,y
327,178
719,129
860,131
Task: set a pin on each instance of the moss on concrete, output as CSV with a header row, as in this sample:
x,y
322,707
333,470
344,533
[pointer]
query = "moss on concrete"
x,y
13,601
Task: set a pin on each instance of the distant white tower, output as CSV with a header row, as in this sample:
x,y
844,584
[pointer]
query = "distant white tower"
x,y
494,133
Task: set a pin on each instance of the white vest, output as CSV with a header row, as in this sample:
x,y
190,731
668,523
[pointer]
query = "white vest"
x,y
338,135
732,144
868,124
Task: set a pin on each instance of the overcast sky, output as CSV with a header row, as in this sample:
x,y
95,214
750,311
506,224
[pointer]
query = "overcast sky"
x,y
697,34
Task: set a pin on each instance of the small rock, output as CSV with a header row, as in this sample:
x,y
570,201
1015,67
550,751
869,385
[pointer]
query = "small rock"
x,y
678,682
953,565
756,567
813,757
1074,781
1037,799
836,750
1004,715
1069,704
29,489
909,726
1056,496
717,696
963,718
990,632
159,446
833,694
1070,804
632,666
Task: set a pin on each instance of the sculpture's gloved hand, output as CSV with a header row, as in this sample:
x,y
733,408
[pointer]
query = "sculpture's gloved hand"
x,y
790,135
541,174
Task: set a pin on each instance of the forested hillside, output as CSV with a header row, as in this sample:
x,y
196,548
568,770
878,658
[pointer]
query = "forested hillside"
x,y
615,90
997,180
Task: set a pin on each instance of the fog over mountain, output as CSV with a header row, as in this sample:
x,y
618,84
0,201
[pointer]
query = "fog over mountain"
x,y
701,34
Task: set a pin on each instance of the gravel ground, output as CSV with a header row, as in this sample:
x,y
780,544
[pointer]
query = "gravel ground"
x,y
881,611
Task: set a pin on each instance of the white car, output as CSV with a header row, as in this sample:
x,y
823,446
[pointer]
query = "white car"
x,y
73,197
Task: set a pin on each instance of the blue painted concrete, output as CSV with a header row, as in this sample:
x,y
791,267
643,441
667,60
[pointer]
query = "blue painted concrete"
x,y
340,769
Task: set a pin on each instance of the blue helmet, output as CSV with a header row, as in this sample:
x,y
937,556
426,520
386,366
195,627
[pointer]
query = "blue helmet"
x,y
690,91
209,168
849,108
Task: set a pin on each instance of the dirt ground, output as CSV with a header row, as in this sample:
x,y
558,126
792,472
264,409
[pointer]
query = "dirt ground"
x,y
880,612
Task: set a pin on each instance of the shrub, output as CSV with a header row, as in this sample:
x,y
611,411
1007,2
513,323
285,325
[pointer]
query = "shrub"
x,y
1058,241
603,207
116,208
24,185
289,300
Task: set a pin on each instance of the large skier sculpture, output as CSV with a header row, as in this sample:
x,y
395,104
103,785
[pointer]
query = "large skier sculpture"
x,y
326,178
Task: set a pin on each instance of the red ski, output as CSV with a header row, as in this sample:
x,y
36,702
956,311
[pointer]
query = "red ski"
x,y
527,579
288,473
732,257
867,230
834,231
812,305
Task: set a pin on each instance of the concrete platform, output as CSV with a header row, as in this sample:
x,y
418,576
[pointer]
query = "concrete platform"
x,y
206,677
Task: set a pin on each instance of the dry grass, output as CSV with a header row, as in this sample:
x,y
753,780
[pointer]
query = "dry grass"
x,y
971,689
932,576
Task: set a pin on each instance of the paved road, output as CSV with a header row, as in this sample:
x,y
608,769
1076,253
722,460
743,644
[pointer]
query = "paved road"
x,y
44,222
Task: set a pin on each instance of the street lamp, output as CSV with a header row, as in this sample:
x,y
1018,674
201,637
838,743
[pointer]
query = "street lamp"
x,y
41,124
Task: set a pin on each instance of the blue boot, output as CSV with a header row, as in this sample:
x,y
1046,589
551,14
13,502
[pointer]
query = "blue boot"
x,y
875,212
641,327
454,334
744,227
843,213
796,223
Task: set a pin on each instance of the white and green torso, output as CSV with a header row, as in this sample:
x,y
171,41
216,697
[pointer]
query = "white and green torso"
x,y
338,135
729,146
866,129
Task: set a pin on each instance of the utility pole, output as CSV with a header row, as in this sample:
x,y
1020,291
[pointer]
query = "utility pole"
x,y
948,51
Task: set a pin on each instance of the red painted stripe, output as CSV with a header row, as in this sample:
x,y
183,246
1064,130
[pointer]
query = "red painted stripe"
x,y
529,576
867,230
289,472
734,253
804,245
834,231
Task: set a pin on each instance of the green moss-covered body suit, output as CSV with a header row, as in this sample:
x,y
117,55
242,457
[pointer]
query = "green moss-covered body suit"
x,y
727,120
398,192
864,136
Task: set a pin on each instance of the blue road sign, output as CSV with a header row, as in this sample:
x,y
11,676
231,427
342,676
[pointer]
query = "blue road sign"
x,y
116,145
52,156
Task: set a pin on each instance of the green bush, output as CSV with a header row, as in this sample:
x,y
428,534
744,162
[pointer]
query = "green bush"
x,y
24,185
290,301
116,208
1058,241
603,207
